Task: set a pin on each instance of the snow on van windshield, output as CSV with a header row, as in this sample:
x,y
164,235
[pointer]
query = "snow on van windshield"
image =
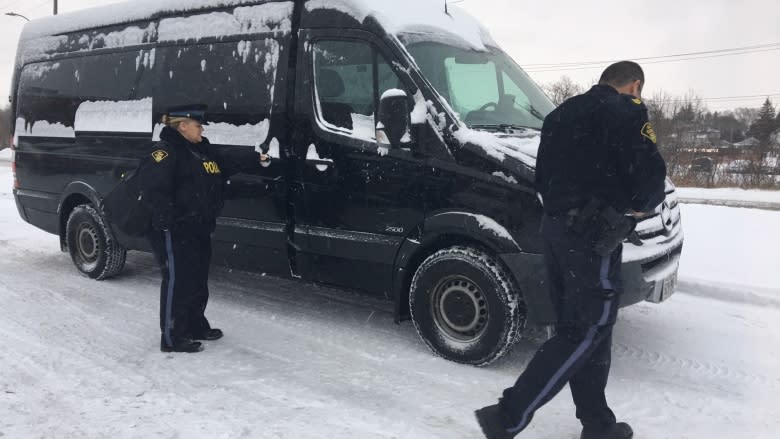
x,y
429,18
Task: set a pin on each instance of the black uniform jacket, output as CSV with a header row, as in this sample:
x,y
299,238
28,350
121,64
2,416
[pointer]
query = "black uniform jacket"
x,y
600,144
184,182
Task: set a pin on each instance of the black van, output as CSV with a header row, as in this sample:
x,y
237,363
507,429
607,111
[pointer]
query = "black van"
x,y
403,152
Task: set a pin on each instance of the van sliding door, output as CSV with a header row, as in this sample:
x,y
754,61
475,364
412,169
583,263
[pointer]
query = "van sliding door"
x,y
242,82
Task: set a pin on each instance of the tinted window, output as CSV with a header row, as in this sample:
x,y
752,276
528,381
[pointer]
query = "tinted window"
x,y
350,77
345,79
54,91
236,80
48,91
114,76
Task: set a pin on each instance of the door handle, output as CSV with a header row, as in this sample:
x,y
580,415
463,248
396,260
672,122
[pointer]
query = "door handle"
x,y
319,162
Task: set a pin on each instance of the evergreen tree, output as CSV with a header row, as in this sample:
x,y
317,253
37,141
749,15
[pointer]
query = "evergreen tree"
x,y
766,123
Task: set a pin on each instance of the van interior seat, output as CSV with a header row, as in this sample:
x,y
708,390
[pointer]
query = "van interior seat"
x,y
330,85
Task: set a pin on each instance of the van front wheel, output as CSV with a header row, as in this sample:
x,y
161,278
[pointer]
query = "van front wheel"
x,y
91,244
465,306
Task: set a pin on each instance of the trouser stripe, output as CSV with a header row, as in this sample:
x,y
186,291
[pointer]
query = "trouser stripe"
x,y
575,356
169,294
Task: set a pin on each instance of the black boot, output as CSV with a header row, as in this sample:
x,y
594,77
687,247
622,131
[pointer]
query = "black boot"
x,y
491,421
209,335
621,430
181,345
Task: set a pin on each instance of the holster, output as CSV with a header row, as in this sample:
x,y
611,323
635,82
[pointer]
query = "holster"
x,y
603,226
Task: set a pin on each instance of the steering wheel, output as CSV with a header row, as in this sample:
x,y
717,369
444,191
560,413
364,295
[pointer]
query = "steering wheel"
x,y
488,105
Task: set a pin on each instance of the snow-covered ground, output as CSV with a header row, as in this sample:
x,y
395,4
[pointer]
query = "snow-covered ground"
x,y
80,358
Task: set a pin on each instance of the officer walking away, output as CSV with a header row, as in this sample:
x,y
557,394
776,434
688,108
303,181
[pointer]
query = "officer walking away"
x,y
598,170
183,187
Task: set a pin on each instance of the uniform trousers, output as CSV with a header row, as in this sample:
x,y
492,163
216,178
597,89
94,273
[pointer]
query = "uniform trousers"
x,y
184,257
586,288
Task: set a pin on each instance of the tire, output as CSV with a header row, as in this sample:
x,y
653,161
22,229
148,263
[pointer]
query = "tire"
x,y
92,247
465,307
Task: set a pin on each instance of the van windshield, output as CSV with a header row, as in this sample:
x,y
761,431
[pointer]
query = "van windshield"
x,y
487,89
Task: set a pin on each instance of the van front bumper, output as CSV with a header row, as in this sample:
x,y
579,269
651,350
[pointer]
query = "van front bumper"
x,y
649,273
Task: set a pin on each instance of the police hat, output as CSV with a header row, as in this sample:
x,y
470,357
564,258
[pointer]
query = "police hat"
x,y
195,112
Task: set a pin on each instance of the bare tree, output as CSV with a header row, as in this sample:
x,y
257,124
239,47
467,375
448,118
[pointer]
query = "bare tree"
x,y
5,127
562,89
746,116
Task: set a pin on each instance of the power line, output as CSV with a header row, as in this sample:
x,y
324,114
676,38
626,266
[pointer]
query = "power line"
x,y
662,61
731,98
706,52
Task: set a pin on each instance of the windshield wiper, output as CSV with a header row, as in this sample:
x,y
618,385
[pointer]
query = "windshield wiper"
x,y
535,112
505,127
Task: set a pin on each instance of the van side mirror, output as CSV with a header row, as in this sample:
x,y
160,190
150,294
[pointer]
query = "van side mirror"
x,y
394,124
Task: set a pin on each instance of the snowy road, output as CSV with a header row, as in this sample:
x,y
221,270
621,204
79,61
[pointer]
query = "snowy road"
x,y
80,358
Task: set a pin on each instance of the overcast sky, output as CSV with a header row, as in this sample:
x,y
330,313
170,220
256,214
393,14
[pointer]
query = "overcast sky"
x,y
570,31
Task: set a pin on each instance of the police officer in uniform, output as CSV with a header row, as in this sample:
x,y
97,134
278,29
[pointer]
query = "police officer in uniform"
x,y
183,187
598,170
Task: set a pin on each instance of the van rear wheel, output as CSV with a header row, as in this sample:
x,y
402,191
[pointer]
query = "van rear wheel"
x,y
465,306
92,247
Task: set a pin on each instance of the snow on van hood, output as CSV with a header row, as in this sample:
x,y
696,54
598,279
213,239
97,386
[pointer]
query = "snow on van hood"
x,y
414,17
522,145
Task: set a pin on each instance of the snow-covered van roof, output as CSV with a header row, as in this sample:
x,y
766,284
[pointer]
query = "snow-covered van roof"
x,y
117,25
414,19
117,13
399,17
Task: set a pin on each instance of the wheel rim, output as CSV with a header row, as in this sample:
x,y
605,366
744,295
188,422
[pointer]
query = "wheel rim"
x,y
88,243
459,308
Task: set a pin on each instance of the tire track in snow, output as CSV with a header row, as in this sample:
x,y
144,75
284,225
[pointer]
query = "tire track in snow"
x,y
699,369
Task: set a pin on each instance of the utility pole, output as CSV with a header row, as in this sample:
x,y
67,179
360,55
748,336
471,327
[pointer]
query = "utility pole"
x,y
55,7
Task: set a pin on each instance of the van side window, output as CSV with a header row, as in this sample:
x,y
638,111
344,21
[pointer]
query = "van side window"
x,y
112,76
236,80
48,94
350,77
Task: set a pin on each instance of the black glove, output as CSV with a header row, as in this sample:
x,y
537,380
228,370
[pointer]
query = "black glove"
x,y
612,229
162,221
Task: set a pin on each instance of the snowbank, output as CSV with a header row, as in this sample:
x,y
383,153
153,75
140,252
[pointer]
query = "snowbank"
x,y
728,194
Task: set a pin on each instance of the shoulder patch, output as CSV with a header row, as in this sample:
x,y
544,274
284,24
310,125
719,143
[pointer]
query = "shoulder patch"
x,y
159,155
636,101
649,132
